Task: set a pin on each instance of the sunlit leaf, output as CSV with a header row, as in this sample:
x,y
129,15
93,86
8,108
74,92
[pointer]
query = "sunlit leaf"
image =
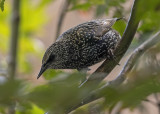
x,y
59,94
10,91
33,109
104,8
120,26
50,73
84,6
44,3
2,4
2,110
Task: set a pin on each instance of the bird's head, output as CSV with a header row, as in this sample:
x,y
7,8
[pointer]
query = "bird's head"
x,y
47,61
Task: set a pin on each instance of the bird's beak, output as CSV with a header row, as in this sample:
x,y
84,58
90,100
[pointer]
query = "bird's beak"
x,y
43,68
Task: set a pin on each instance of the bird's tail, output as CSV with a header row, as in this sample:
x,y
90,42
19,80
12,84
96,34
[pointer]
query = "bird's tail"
x,y
117,19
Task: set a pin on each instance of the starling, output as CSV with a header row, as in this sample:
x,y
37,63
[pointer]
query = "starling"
x,y
82,46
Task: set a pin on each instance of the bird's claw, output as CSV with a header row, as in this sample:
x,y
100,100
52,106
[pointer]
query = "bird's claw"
x,y
113,56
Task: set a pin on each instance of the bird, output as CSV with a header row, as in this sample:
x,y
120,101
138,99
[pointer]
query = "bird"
x,y
82,46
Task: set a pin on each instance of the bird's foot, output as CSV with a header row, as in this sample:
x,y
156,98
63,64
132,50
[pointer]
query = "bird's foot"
x,y
112,56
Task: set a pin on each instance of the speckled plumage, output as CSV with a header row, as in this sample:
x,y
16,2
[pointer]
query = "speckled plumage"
x,y
82,46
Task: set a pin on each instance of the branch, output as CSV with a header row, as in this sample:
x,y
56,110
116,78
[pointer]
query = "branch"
x,y
108,65
122,76
14,39
158,102
61,18
13,45
128,35
134,57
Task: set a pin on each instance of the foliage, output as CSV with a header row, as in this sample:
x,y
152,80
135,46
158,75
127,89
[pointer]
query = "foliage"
x,y
59,94
2,4
102,6
50,73
29,28
56,95
120,26
61,90
85,5
151,15
131,94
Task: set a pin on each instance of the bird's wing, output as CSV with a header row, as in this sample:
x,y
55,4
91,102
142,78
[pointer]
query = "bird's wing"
x,y
92,30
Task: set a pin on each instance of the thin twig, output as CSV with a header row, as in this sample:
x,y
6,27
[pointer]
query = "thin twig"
x,y
61,18
108,66
122,76
158,102
13,46
134,56
14,39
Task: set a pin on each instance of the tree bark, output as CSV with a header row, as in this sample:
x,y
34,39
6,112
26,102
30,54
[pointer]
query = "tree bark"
x,y
122,76
12,58
15,20
61,18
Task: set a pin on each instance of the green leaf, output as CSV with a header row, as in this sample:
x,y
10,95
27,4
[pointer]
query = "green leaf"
x,y
97,2
2,110
120,26
132,93
84,6
105,7
50,73
10,90
44,3
59,94
77,5
34,109
150,21
2,5
30,48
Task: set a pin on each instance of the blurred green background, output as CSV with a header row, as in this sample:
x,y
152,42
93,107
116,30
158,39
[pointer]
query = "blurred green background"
x,y
58,90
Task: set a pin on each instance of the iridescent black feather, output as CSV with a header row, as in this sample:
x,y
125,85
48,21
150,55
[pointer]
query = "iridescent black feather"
x,y
82,46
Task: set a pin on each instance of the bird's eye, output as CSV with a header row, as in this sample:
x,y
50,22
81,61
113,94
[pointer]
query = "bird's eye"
x,y
51,58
